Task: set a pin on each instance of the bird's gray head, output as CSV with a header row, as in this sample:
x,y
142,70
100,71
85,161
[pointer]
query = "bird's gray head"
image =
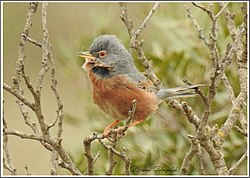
x,y
108,43
108,56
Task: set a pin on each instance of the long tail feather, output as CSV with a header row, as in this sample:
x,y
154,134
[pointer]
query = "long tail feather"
x,y
185,91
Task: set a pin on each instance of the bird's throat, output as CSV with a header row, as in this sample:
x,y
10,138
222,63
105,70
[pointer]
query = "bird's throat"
x,y
101,71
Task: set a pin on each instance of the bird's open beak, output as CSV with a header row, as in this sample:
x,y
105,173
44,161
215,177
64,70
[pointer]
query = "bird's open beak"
x,y
86,55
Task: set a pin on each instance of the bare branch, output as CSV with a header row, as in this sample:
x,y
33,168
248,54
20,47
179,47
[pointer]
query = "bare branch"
x,y
32,40
96,157
18,96
130,117
228,87
24,135
88,153
45,52
236,165
240,130
208,11
28,24
137,45
8,167
200,156
215,156
54,162
59,111
125,18
230,21
7,164
143,25
44,138
114,134
188,158
112,163
119,154
27,170
190,115
220,12
200,31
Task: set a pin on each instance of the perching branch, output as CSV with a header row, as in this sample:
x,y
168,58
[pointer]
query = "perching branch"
x,y
114,134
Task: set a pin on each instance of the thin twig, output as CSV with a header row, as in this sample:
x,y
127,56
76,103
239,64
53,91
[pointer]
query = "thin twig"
x,y
125,18
88,153
45,50
27,170
119,154
130,116
54,162
190,114
188,158
59,111
208,11
32,40
115,134
241,131
143,25
236,165
8,167
228,87
96,157
222,9
18,96
137,44
8,163
24,135
112,163
200,31
44,138
201,159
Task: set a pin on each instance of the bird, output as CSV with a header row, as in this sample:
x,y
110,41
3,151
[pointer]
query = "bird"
x,y
116,82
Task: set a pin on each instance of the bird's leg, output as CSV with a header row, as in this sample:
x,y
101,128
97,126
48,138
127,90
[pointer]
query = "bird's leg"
x,y
120,130
136,122
131,125
106,130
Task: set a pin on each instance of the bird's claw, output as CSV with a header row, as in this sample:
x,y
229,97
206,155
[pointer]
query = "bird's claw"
x,y
113,134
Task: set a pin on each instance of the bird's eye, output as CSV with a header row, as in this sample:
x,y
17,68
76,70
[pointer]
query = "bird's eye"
x,y
102,54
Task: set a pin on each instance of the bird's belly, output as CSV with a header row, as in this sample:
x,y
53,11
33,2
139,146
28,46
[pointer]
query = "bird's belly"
x,y
115,95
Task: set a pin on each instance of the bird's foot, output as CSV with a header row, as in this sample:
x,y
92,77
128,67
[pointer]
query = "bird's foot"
x,y
114,134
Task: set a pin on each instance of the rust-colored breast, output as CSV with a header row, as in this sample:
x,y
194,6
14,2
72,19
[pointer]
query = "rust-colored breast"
x,y
114,96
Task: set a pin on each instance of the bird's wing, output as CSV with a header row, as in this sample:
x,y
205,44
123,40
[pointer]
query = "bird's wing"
x,y
141,81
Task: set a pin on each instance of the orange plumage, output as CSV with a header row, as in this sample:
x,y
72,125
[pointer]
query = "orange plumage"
x,y
115,95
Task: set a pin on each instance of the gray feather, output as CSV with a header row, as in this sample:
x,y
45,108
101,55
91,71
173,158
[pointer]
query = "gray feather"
x,y
185,91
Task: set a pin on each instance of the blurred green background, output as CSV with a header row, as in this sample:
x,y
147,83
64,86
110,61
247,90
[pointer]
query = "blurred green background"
x,y
171,41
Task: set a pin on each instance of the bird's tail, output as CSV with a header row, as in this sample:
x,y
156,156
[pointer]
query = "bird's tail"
x,y
185,91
